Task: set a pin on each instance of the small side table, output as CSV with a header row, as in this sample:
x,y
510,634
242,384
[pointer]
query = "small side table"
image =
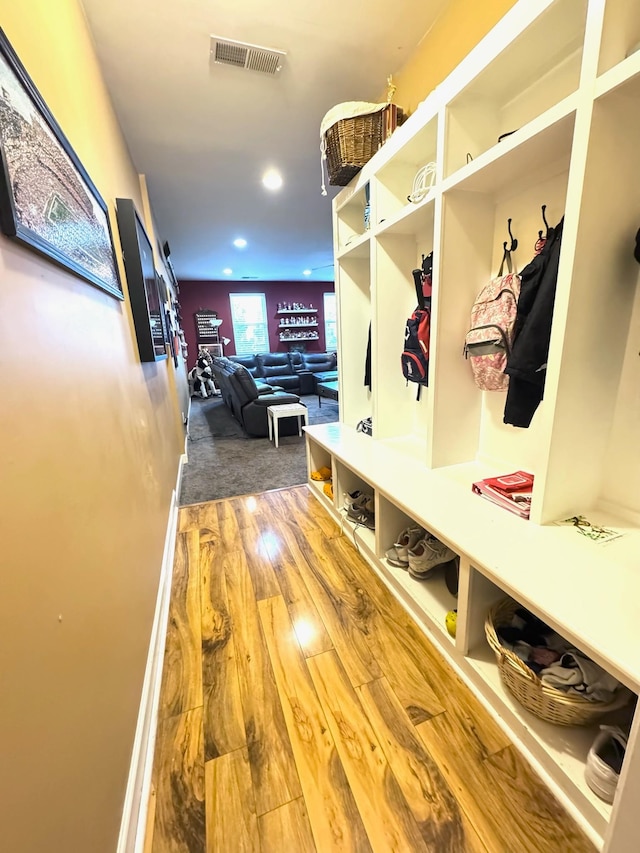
x,y
288,410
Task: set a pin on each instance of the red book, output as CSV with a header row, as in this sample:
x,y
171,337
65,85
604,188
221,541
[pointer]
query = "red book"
x,y
510,491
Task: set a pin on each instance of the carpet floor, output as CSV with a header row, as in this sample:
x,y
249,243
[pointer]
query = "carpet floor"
x,y
225,462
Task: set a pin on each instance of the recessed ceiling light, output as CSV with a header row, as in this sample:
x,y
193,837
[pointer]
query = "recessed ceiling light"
x,y
272,179
306,272
240,243
227,271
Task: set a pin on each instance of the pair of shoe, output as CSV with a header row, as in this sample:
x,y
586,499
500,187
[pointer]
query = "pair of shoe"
x,y
360,508
419,552
398,555
604,762
328,489
323,473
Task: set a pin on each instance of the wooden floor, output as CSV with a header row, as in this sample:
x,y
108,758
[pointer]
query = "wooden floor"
x,y
303,710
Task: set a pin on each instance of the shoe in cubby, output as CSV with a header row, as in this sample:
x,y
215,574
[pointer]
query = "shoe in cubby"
x,y
408,538
362,511
604,762
428,553
351,498
322,473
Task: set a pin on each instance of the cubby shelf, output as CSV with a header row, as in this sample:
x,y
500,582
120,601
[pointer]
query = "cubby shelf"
x,y
567,748
317,487
410,219
356,247
545,140
513,559
564,76
626,74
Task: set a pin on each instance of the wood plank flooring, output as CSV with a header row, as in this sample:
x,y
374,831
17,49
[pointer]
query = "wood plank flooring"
x,y
302,710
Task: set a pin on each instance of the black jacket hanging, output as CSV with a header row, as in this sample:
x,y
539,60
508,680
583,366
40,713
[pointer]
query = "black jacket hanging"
x,y
367,362
527,363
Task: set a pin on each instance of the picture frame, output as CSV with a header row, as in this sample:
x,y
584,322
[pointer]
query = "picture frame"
x,y
48,202
142,281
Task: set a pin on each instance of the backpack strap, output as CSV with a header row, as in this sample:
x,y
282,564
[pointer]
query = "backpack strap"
x,y
510,267
417,280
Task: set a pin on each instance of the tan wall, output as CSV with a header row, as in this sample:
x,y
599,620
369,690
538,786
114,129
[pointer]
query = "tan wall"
x,y
90,445
457,30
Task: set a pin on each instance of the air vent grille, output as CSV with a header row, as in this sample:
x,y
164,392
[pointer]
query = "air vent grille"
x,y
230,54
250,57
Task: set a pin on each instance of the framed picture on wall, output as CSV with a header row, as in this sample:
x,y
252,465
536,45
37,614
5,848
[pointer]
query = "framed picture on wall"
x,y
142,281
47,200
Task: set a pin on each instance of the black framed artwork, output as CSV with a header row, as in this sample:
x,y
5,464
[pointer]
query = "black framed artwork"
x,y
47,200
142,281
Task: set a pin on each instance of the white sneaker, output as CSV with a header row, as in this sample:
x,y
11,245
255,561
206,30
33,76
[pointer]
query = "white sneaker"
x,y
351,498
399,554
604,762
428,553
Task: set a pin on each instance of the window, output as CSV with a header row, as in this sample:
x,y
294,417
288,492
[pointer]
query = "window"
x,y
249,316
330,327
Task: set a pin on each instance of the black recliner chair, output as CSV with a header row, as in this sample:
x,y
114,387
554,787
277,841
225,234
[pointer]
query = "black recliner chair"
x,y
242,395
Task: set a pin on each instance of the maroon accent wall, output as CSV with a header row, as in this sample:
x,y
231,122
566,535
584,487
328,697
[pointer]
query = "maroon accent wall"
x,y
214,295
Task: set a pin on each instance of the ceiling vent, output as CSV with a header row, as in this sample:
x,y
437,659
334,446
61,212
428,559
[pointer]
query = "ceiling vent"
x,y
250,57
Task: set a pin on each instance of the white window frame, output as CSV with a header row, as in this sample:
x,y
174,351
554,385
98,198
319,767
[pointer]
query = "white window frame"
x,y
330,323
250,335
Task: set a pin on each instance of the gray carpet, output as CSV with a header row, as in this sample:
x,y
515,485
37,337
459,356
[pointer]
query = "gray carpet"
x,y
225,462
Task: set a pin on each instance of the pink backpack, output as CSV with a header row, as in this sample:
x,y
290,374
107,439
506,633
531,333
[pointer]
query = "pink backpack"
x,y
488,342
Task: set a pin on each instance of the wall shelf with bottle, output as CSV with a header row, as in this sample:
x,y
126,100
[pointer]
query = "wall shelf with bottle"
x,y
295,308
299,336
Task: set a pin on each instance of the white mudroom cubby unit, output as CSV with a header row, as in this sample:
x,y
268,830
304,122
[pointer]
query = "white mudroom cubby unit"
x,y
564,75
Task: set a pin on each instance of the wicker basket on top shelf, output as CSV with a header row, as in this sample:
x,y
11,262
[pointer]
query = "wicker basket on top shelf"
x,y
547,703
352,142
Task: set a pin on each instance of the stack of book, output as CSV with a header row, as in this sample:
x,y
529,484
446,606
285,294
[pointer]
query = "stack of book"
x,y
511,491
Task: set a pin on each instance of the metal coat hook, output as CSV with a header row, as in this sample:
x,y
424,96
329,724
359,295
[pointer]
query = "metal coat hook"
x,y
544,219
514,240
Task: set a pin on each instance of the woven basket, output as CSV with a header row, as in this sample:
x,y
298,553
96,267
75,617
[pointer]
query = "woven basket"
x,y
352,142
547,703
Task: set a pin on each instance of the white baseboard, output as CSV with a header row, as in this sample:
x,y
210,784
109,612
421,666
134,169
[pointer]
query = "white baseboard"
x,y
136,801
184,460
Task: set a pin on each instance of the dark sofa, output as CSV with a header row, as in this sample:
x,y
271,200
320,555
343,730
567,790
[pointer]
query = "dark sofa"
x,y
297,372
249,401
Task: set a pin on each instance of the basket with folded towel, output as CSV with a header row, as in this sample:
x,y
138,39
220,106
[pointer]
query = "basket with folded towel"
x,y
546,674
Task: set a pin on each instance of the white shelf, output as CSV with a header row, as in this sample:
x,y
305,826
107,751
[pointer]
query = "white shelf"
x,y
299,311
411,219
362,537
531,74
518,553
626,73
300,338
296,325
512,552
357,247
410,445
545,140
565,747
430,597
557,74
316,487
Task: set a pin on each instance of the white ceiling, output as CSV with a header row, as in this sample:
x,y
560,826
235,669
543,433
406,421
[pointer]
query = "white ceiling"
x,y
203,134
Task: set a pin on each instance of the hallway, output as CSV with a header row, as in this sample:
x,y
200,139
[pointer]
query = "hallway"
x,y
303,710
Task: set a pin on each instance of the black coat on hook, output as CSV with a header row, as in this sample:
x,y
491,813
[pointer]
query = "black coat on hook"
x,y
527,362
